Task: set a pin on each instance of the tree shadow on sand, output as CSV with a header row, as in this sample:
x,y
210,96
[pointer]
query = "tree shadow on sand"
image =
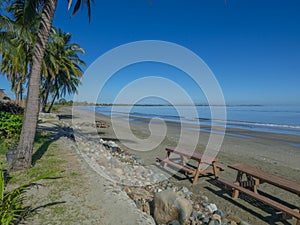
x,y
56,132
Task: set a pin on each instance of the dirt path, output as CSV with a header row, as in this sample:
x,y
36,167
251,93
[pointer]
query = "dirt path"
x,y
81,196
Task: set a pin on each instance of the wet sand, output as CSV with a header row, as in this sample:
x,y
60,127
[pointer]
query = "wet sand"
x,y
276,153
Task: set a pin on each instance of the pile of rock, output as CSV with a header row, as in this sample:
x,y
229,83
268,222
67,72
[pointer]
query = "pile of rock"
x,y
171,205
151,191
116,164
101,124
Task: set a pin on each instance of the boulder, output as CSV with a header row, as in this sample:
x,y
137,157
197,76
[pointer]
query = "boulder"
x,y
169,206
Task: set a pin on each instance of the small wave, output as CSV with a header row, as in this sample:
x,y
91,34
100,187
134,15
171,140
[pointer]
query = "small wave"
x,y
263,124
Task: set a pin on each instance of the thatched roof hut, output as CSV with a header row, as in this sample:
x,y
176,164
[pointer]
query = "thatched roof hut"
x,y
3,96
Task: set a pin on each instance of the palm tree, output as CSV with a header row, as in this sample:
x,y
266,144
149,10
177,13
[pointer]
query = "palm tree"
x,y
61,67
14,66
23,157
16,45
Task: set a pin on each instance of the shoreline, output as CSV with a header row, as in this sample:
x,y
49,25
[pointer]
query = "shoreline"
x,y
260,127
267,154
268,143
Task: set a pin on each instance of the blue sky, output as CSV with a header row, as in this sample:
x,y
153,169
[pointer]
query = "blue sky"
x,y
252,47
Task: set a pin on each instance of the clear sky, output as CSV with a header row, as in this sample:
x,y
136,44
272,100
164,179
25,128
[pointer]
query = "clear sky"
x,y
252,46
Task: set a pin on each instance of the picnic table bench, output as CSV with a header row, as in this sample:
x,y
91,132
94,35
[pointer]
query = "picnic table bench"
x,y
199,158
247,180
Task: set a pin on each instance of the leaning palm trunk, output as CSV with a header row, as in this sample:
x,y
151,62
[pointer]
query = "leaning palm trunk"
x,y
45,97
52,102
23,157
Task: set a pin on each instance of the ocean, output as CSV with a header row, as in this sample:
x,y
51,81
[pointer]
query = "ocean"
x,y
272,119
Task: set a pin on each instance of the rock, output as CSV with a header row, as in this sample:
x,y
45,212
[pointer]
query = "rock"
x,y
204,199
138,194
205,220
139,160
146,207
211,208
186,192
202,216
197,207
195,214
215,220
169,206
243,223
118,171
220,213
173,222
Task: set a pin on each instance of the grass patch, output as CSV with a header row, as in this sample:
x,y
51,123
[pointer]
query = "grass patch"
x,y
44,159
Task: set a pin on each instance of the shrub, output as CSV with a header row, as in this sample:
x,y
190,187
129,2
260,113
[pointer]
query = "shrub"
x,y
11,108
12,208
10,125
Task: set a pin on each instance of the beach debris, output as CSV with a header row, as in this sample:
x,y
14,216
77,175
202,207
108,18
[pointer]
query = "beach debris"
x,y
101,124
44,117
169,206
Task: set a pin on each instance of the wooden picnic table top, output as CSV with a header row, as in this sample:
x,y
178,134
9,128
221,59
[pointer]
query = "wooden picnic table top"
x,y
193,155
268,177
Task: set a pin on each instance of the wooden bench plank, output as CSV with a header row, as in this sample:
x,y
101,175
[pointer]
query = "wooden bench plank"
x,y
275,180
263,199
181,167
219,166
192,155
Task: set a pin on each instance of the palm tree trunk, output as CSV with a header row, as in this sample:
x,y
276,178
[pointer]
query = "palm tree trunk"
x,y
53,100
23,157
45,96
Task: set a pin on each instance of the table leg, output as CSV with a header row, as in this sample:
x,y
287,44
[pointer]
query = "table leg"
x,y
197,173
257,182
215,169
238,181
167,157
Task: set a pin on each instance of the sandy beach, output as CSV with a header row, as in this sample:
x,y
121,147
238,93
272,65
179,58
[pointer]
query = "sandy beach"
x,y
277,153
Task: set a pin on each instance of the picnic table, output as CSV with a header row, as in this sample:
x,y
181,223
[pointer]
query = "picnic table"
x,y
203,162
249,178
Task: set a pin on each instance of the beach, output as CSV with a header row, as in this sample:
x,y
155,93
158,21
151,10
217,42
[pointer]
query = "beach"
x,y
267,151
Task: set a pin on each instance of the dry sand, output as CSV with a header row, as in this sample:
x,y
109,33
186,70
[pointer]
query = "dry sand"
x,y
271,152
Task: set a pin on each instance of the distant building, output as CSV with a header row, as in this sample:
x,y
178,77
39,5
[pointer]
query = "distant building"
x,y
3,96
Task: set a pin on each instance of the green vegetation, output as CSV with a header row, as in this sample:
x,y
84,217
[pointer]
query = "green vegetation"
x,y
10,125
26,33
61,67
12,208
10,129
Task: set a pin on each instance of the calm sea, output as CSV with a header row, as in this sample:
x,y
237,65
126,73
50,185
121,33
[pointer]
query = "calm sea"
x,y
274,119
